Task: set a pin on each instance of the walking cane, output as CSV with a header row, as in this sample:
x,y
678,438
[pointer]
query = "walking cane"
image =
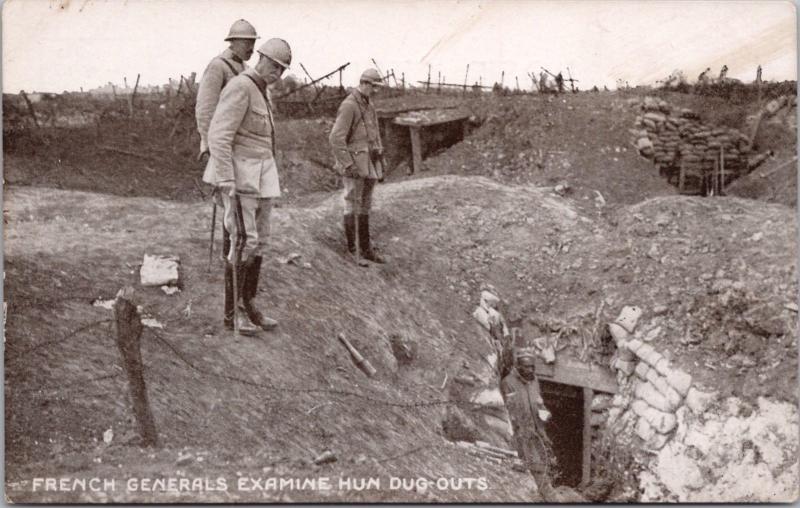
x,y
241,237
213,228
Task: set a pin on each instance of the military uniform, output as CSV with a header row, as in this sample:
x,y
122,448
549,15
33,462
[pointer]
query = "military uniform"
x,y
356,142
220,70
241,141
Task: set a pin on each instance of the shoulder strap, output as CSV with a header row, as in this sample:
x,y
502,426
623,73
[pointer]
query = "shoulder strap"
x,y
230,66
269,112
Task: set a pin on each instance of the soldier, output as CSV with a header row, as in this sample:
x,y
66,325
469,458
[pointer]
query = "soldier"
x,y
358,150
221,69
241,141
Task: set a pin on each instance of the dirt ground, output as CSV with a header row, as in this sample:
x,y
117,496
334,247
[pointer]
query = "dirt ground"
x,y
717,275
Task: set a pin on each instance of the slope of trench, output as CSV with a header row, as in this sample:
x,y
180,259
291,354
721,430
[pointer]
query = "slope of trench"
x,y
267,407
256,407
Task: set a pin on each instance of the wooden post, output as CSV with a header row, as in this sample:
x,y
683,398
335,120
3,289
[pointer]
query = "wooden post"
x,y
30,108
403,80
133,95
465,80
721,170
588,395
439,82
682,177
428,83
502,78
340,80
516,78
416,149
129,331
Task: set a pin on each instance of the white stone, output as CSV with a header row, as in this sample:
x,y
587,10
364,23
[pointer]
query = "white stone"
x,y
644,430
649,394
680,380
481,316
644,350
159,270
629,317
662,366
642,370
634,345
699,401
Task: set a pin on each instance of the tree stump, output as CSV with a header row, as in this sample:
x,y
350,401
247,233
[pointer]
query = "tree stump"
x,y
129,332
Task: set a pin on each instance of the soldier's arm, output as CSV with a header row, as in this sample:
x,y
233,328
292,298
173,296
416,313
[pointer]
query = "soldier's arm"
x,y
207,97
230,112
338,136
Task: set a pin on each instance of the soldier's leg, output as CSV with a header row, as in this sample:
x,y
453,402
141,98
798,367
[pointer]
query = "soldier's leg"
x,y
253,267
249,205
364,236
350,211
228,225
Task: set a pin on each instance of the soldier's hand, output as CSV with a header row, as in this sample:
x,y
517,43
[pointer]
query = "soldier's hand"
x,y
202,157
228,188
351,171
544,415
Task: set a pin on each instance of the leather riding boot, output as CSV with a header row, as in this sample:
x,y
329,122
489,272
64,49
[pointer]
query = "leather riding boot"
x,y
350,232
226,243
253,272
228,301
246,327
367,252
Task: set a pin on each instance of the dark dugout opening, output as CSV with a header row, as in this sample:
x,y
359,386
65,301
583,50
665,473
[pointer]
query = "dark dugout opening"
x,y
565,430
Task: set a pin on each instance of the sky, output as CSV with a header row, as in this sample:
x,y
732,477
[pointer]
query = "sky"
x,y
57,45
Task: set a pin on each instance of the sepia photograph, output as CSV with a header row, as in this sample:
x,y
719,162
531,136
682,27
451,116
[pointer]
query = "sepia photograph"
x,y
407,251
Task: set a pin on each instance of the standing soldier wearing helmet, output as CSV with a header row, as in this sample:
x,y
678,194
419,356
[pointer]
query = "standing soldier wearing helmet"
x,y
242,165
219,71
358,150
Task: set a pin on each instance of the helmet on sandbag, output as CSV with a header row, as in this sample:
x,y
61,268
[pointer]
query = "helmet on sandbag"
x,y
241,29
278,51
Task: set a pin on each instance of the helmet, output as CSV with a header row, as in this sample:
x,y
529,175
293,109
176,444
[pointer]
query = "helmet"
x,y
278,51
526,363
241,29
371,76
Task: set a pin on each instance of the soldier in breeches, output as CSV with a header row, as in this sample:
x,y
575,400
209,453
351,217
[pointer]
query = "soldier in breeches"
x,y
241,141
357,146
219,72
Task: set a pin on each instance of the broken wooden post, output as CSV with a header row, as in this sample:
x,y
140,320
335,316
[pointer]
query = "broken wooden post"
x,y
721,170
30,108
682,177
466,75
133,95
129,331
428,83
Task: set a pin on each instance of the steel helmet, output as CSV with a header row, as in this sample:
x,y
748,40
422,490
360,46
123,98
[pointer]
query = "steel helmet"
x,y
371,76
278,51
241,29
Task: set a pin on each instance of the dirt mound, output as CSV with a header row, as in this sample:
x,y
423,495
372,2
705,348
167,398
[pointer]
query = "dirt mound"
x,y
723,269
545,140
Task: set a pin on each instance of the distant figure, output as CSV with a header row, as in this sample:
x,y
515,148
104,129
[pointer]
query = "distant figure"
x,y
723,73
356,142
758,75
703,79
560,82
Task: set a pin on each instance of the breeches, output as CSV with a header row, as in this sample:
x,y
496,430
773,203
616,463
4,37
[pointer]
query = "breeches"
x,y
358,195
256,218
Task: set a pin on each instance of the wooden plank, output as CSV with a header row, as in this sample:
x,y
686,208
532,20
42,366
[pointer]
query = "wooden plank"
x,y
416,149
588,395
577,374
682,177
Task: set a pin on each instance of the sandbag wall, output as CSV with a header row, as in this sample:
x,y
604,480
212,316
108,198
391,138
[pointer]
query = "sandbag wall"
x,y
672,138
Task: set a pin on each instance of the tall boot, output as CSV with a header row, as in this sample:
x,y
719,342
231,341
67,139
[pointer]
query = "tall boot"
x,y
226,243
246,327
367,252
228,302
252,274
350,232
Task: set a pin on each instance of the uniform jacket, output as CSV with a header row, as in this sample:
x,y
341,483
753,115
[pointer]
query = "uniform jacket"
x,y
241,133
217,74
354,133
